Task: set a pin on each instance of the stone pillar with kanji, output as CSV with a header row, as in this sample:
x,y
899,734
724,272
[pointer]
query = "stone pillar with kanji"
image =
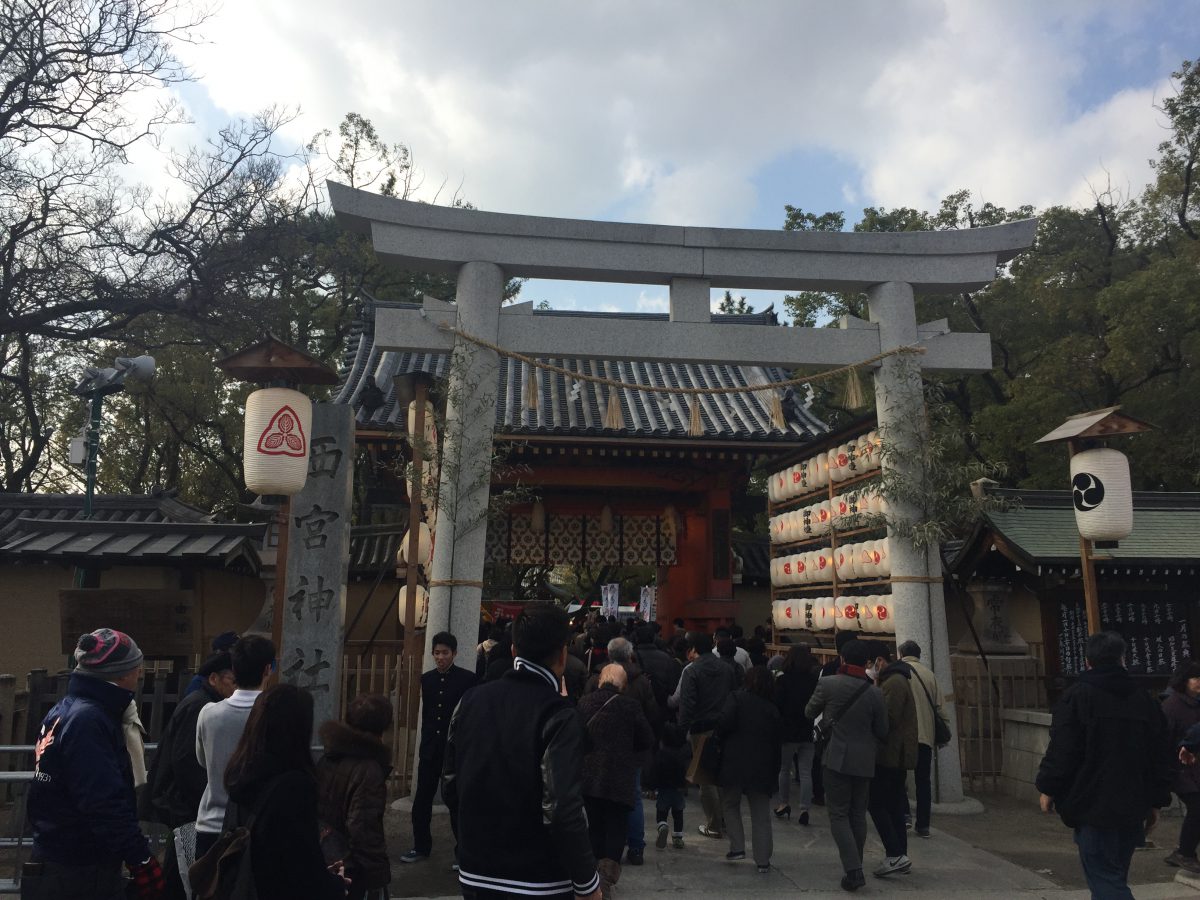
x,y
318,556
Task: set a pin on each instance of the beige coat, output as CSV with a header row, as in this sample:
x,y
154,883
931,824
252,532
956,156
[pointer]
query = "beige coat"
x,y
924,710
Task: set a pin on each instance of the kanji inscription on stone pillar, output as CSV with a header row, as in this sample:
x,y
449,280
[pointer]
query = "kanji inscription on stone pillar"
x,y
319,542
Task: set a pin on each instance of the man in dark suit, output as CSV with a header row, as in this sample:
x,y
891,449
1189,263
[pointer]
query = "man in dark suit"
x,y
441,689
849,699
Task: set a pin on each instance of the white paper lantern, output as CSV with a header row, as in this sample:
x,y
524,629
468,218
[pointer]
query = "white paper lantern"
x,y
1101,494
865,565
822,517
421,617
824,564
886,623
799,477
848,615
842,509
802,573
778,482
774,568
844,562
822,470
776,529
883,565
275,441
806,522
866,614
835,470
813,473
424,546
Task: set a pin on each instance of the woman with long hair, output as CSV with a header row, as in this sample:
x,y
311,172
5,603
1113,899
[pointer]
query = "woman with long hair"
x,y
271,780
793,689
751,736
1182,709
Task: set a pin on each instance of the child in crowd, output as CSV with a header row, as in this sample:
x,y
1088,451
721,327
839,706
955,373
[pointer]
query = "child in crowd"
x,y
668,776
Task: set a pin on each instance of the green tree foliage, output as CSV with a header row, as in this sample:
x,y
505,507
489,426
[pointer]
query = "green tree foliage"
x,y
730,304
1102,311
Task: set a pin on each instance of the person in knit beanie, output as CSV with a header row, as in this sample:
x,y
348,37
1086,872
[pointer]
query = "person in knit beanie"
x,y
81,801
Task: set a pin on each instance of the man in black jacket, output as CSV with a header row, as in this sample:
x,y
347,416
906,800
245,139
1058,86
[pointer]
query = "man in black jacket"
x,y
513,774
662,668
1107,769
177,780
704,687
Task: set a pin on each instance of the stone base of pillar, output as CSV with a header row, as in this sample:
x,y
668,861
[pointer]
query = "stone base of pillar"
x,y
967,806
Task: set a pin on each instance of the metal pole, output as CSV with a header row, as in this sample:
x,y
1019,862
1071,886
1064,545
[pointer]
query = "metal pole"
x,y
93,454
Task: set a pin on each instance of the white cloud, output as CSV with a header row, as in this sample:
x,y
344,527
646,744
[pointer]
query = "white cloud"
x,y
656,304
668,111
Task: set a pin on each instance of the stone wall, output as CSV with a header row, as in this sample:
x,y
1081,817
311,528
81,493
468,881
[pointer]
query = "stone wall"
x,y
1026,736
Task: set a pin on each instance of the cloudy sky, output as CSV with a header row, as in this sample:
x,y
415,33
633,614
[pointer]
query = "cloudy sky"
x,y
715,113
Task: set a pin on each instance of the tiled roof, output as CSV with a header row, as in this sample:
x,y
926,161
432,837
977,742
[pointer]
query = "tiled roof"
x,y
578,409
147,529
1166,528
373,547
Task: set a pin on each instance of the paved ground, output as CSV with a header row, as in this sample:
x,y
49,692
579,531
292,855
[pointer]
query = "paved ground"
x,y
1008,851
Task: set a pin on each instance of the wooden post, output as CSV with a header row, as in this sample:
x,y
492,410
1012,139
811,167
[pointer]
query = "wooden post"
x,y
413,648
1091,593
281,553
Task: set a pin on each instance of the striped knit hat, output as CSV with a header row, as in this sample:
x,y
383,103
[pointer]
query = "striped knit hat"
x,y
105,652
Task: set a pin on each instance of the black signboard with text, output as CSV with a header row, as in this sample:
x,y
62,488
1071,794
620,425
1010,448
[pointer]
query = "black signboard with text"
x,y
1155,627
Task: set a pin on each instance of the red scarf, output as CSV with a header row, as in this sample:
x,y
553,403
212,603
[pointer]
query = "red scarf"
x,y
855,671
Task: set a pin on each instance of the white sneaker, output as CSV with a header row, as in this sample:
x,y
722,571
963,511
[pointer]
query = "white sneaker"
x,y
893,865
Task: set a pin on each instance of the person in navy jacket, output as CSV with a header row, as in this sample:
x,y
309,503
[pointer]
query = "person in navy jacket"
x,y
81,802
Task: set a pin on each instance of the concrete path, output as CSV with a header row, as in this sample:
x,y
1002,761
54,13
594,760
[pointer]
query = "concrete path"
x,y
804,862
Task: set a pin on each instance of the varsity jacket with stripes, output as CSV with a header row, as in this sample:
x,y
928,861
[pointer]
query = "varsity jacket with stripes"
x,y
513,772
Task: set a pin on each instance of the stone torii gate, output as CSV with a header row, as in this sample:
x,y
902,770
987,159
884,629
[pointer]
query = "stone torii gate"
x,y
483,249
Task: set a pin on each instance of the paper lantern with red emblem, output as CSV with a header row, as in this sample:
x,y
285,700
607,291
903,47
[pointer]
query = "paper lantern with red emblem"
x,y
844,563
278,425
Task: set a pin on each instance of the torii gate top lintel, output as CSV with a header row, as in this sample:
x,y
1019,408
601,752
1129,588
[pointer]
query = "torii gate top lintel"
x,y
439,238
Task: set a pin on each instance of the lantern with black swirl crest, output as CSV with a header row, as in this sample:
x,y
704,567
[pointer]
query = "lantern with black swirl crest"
x,y
1101,494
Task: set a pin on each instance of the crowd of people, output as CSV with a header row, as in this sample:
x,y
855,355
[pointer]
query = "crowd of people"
x,y
544,754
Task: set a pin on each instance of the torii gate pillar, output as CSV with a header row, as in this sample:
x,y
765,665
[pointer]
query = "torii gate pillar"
x,y
919,607
466,474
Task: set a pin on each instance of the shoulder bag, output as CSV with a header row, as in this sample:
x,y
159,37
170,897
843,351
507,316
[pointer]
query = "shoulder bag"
x,y
941,728
823,730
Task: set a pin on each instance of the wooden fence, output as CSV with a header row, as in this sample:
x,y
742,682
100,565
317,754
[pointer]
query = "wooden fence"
x,y
981,693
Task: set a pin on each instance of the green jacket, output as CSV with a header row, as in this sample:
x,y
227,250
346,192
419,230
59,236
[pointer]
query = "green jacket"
x,y
899,749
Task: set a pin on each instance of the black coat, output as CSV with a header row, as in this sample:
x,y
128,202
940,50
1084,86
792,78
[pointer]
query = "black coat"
x,y
284,838
662,669
704,687
176,781
793,690
619,737
1182,713
669,769
512,772
1109,759
751,735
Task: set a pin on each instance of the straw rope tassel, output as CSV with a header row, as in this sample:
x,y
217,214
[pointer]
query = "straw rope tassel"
x,y
853,396
531,389
614,418
695,423
777,419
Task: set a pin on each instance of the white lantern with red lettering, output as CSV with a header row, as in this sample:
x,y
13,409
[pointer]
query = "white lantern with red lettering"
x,y
1101,494
278,424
